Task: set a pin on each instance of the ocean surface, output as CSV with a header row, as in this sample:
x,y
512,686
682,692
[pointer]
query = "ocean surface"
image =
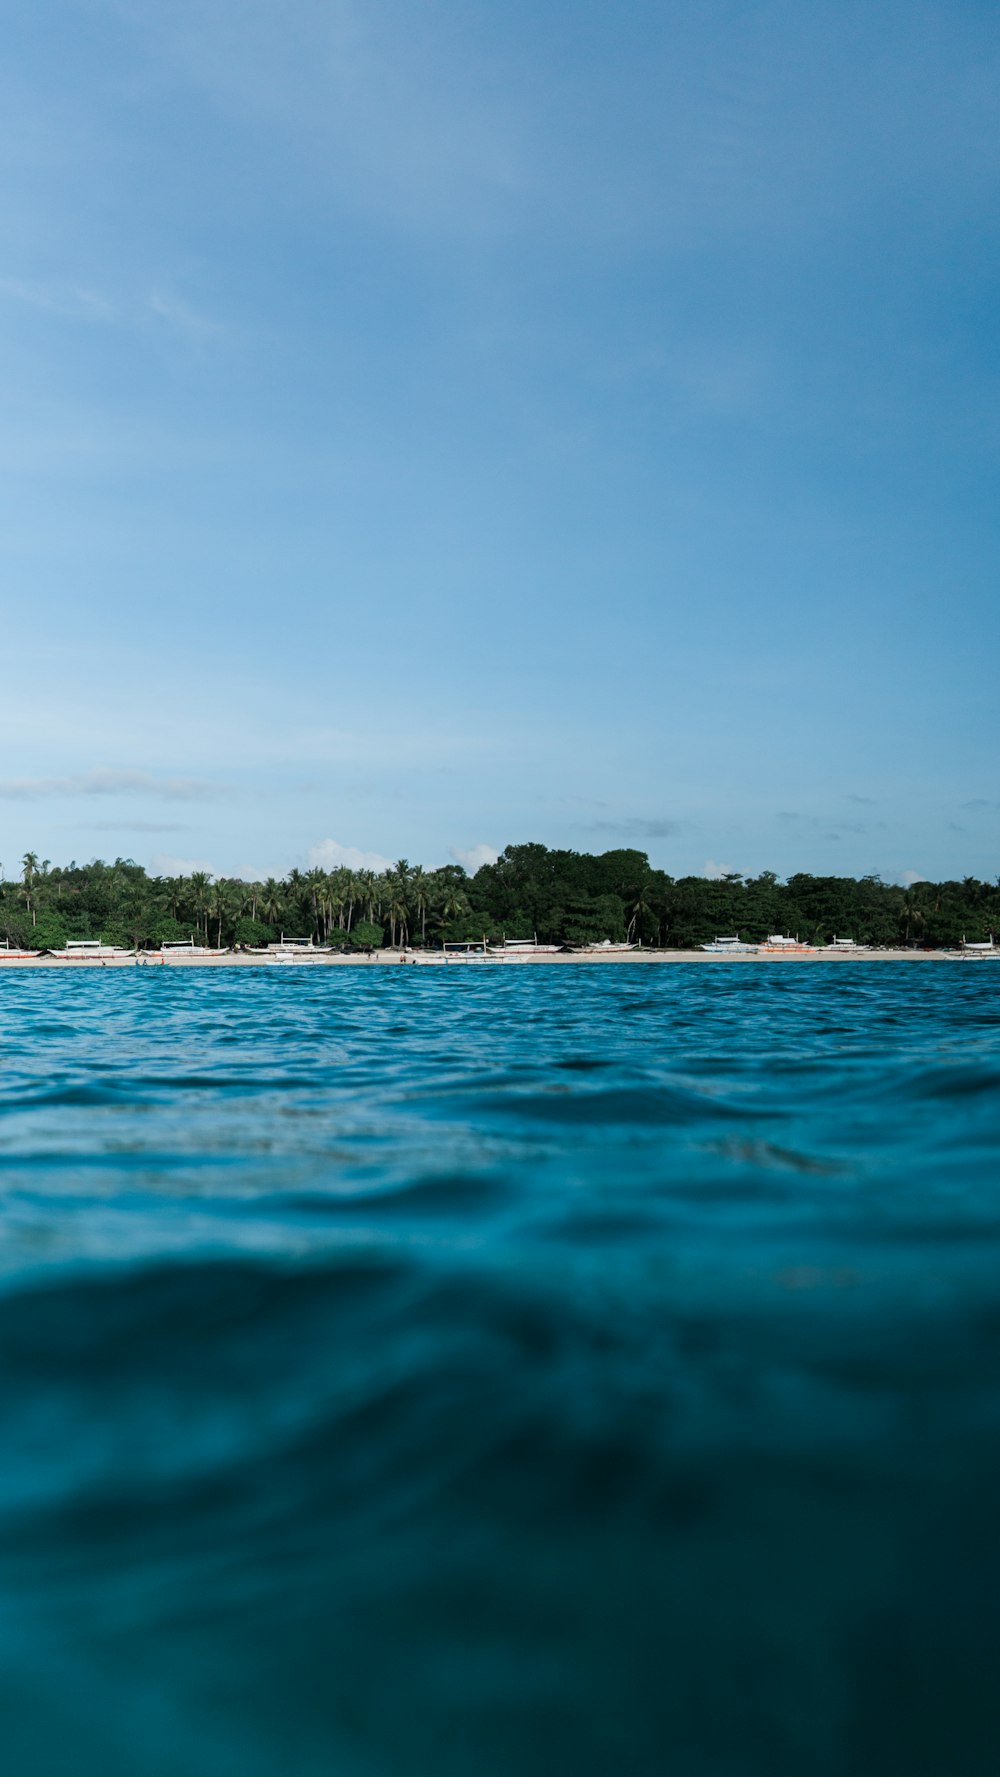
x,y
500,1370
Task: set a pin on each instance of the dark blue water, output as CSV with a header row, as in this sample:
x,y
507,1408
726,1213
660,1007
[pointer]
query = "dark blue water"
x,y
500,1371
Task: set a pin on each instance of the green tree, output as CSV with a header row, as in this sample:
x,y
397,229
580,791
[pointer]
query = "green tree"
x,y
366,935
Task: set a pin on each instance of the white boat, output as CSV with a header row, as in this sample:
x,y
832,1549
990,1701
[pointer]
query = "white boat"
x,y
81,950
182,947
607,944
778,944
844,945
730,947
978,949
513,949
11,953
463,952
290,950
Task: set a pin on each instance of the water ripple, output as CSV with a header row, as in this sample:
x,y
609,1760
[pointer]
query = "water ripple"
x,y
500,1371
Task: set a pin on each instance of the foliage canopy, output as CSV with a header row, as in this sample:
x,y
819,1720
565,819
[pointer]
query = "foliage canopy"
x,y
562,897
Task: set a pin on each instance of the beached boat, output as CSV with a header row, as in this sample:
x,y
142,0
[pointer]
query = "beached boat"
x,y
730,947
844,945
182,947
975,948
607,944
10,953
82,950
780,945
290,950
515,949
465,952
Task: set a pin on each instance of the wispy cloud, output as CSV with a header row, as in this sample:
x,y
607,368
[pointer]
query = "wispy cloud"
x,y
134,827
175,312
103,782
62,298
635,827
410,123
714,872
68,299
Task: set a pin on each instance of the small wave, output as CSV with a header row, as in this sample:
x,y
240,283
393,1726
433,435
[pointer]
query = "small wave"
x,y
461,1196
958,1079
85,1095
619,1107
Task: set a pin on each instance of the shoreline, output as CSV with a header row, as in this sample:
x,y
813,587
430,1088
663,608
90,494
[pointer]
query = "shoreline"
x,y
434,959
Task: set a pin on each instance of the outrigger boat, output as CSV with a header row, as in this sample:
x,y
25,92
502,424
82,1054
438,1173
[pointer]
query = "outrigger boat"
x,y
290,950
976,948
465,952
730,947
13,954
182,947
514,949
81,950
779,945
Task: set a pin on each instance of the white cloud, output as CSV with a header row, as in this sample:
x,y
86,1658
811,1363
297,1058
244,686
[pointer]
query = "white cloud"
x,y
250,873
162,864
110,783
909,877
329,854
715,872
474,859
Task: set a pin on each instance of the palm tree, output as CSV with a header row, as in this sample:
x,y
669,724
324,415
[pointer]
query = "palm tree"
x,y
911,918
419,898
271,902
333,903
397,910
251,891
316,885
641,910
221,893
367,883
349,884
453,905
200,882
29,864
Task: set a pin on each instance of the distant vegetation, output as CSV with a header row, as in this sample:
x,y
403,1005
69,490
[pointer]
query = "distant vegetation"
x,y
564,897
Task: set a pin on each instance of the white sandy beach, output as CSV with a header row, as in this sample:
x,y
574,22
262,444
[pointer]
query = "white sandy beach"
x,y
434,959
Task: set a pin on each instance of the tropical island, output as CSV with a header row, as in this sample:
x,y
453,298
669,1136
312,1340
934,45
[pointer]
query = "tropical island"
x,y
559,897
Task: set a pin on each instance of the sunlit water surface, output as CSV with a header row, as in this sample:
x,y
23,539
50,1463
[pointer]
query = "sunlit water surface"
x,y
524,1370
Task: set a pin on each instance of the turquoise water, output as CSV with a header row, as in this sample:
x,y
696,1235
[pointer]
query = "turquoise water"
x,y
500,1371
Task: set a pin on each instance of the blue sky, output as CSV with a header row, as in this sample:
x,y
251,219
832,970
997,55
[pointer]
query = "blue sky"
x,y
429,426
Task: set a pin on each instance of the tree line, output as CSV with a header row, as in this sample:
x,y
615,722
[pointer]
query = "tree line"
x,y
562,897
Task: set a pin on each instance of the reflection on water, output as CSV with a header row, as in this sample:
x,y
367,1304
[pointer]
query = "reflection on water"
x,y
528,1371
